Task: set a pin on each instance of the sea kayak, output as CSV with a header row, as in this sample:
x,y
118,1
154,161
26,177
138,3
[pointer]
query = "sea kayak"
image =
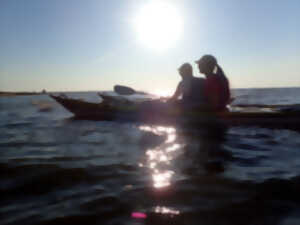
x,y
260,116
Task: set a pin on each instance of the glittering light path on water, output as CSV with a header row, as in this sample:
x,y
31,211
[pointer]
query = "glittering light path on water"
x,y
160,158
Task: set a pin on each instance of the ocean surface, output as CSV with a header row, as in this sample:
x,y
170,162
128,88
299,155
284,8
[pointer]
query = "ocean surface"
x,y
57,170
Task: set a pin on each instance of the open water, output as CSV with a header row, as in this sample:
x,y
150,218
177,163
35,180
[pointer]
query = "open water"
x,y
57,170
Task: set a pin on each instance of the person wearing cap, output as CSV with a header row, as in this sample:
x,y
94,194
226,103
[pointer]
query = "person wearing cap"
x,y
190,88
216,90
189,94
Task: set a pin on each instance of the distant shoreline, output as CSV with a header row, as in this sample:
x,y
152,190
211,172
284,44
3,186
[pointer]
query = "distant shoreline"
x,y
7,94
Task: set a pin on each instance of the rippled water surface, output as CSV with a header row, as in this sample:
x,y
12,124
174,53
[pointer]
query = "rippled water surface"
x,y
57,170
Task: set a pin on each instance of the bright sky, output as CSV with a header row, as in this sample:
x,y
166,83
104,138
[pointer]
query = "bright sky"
x,y
66,45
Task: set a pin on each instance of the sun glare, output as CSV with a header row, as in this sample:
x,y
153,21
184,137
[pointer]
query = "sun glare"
x,y
158,25
162,93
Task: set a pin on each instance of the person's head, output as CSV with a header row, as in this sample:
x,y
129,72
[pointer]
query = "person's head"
x,y
186,70
206,64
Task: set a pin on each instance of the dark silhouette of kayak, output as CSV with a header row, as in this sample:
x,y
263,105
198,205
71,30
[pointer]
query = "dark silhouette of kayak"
x,y
125,90
129,111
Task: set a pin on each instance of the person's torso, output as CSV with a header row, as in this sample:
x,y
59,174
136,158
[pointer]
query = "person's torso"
x,y
193,89
217,85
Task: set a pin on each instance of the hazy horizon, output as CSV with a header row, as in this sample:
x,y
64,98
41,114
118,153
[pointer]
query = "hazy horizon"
x,y
93,45
108,90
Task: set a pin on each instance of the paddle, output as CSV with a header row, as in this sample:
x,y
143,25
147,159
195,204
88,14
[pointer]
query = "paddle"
x,y
124,90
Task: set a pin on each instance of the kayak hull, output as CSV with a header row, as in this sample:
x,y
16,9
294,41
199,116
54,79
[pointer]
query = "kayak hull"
x,y
101,111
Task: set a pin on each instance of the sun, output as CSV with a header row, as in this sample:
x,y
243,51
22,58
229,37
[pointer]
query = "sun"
x,y
158,25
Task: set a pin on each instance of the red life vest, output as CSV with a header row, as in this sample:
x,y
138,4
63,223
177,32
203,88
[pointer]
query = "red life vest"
x,y
217,91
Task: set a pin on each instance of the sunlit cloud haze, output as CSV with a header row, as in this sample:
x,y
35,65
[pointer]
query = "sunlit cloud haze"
x,y
60,45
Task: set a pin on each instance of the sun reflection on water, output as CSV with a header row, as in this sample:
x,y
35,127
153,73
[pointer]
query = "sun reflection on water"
x,y
162,179
159,159
166,210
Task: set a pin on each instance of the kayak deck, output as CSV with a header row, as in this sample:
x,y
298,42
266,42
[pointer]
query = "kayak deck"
x,y
103,111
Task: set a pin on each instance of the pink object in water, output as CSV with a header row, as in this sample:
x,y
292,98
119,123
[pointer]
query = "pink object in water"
x,y
138,215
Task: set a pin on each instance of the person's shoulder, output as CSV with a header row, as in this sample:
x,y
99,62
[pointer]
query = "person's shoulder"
x,y
213,78
180,83
211,81
199,79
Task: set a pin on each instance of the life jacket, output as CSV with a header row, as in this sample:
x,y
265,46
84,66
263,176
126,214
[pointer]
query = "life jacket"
x,y
217,91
